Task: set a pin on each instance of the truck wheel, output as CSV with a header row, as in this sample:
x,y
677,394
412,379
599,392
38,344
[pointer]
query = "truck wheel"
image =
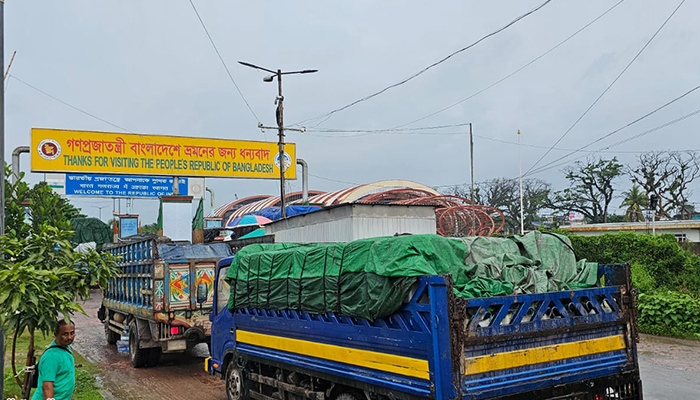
x,y
235,383
110,335
137,356
346,396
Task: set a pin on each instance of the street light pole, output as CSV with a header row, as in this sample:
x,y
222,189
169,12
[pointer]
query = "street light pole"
x,y
280,142
653,202
280,121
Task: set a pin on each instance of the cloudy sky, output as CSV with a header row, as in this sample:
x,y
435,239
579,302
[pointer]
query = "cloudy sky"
x,y
148,67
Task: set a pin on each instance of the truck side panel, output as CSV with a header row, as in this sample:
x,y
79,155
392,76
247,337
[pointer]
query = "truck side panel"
x,y
523,343
393,352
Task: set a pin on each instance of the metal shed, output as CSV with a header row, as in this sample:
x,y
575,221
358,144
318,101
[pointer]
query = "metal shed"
x,y
348,222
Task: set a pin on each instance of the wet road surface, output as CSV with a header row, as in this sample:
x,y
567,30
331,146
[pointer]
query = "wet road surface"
x,y
177,376
670,368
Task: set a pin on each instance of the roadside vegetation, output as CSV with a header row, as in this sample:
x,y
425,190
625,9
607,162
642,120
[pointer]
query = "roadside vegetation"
x,y
41,277
666,275
85,384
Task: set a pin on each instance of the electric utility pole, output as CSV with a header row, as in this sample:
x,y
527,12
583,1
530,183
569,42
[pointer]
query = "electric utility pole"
x,y
471,160
280,121
2,175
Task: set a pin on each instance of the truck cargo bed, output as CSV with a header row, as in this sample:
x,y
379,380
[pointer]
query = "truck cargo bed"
x,y
550,345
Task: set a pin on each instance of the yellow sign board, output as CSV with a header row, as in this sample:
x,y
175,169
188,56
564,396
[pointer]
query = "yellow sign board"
x,y
56,150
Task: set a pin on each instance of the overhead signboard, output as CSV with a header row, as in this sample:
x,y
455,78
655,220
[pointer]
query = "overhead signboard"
x,y
67,151
121,186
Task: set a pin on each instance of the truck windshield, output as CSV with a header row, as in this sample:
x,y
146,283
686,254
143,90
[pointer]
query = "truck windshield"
x,y
223,290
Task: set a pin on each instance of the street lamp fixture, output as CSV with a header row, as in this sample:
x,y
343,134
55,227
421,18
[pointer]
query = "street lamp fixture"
x,y
280,120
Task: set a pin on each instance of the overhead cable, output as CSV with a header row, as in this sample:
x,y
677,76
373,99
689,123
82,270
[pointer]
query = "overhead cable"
x,y
223,62
333,180
471,96
68,104
386,130
637,136
422,71
623,127
607,88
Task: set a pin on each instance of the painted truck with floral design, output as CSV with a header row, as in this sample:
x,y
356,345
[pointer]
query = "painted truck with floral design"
x,y
152,301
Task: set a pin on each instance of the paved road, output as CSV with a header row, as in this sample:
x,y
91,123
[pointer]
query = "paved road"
x,y
177,377
669,367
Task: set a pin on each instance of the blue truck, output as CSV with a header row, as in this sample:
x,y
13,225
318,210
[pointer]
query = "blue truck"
x,y
570,345
152,301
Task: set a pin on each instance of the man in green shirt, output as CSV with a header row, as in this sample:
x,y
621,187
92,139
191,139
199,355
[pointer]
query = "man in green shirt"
x,y
57,366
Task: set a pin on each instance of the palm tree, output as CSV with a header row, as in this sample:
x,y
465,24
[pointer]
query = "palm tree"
x,y
635,201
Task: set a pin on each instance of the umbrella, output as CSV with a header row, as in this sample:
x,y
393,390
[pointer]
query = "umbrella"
x,y
248,220
254,234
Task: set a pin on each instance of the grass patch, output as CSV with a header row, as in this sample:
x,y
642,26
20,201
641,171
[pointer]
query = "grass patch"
x,y
85,384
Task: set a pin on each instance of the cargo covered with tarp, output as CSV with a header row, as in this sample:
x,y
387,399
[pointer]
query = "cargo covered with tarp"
x,y
371,278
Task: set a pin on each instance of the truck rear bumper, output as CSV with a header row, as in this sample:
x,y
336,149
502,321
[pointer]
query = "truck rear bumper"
x,y
625,386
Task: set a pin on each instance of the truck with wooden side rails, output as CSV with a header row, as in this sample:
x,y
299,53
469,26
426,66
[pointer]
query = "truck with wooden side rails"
x,y
577,344
152,300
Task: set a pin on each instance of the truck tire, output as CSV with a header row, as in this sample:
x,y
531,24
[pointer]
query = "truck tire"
x,y
137,356
346,396
235,382
110,335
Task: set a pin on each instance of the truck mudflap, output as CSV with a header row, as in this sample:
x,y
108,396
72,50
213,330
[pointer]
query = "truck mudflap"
x,y
516,346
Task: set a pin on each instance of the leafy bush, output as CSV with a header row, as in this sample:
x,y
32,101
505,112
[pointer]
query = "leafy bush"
x,y
658,262
669,314
667,275
642,279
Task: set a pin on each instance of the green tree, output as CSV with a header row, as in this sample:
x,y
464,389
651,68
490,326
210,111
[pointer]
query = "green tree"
x,y
591,189
669,175
634,201
40,276
504,194
150,228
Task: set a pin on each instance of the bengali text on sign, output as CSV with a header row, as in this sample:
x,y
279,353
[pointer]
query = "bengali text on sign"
x,y
56,150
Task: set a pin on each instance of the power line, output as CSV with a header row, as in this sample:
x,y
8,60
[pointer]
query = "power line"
x,y
558,149
657,128
624,127
333,180
223,62
514,72
327,115
387,130
609,87
68,104
387,133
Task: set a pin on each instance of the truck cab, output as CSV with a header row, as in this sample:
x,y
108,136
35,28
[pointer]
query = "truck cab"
x,y
222,324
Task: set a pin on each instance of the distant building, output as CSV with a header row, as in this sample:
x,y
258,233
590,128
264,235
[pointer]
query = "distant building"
x,y
685,231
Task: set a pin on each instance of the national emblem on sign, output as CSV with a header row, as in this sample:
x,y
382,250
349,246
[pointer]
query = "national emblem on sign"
x,y
49,149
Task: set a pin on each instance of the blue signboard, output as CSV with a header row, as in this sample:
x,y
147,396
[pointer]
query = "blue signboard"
x,y
121,185
128,226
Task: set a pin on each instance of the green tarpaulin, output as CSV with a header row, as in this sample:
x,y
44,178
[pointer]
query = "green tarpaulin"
x,y
91,230
371,278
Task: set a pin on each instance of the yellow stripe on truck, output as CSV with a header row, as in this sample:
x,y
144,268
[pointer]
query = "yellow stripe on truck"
x,y
363,358
538,355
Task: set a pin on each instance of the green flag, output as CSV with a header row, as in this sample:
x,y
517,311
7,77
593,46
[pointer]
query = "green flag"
x,y
198,220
